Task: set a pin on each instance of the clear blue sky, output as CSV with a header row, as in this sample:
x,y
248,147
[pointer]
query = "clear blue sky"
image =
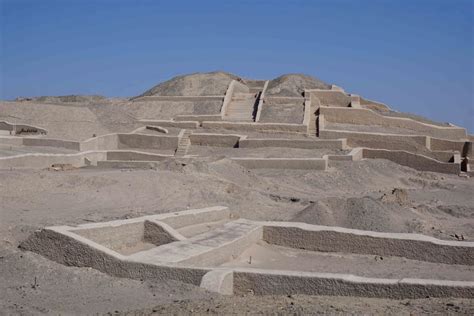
x,y
415,55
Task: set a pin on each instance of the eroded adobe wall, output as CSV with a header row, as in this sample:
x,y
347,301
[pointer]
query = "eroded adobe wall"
x,y
104,142
218,140
368,117
147,141
415,161
257,127
39,161
331,98
464,147
126,155
346,240
282,110
293,143
49,142
381,141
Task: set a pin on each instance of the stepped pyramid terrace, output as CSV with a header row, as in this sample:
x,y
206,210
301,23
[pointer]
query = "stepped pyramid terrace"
x,y
221,186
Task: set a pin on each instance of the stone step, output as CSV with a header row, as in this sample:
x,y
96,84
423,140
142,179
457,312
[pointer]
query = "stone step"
x,y
183,144
241,107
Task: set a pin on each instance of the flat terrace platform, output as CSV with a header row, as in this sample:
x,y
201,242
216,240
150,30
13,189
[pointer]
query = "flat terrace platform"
x,y
370,128
264,152
13,150
252,134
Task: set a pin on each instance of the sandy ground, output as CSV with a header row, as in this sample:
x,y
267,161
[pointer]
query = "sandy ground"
x,y
31,199
266,256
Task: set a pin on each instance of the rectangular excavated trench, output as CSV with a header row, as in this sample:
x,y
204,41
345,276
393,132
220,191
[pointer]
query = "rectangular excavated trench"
x,y
128,239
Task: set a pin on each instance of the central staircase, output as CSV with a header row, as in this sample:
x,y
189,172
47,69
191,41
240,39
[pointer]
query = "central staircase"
x,y
183,144
242,106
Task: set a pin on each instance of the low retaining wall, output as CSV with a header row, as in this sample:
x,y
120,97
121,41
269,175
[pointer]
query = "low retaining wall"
x,y
11,140
129,155
68,246
379,141
284,100
218,140
127,164
293,143
257,127
415,161
464,147
49,142
79,251
443,156
93,149
39,161
134,140
168,123
198,118
282,163
147,141
369,117
277,282
346,240
103,142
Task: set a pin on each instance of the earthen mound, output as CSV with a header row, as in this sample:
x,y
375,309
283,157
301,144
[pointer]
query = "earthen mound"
x,y
197,84
293,85
365,213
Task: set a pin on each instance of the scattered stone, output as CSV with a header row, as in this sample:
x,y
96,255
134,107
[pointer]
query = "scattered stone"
x,y
397,195
61,167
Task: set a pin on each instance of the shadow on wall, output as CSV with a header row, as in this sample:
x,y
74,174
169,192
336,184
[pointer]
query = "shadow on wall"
x,y
21,129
